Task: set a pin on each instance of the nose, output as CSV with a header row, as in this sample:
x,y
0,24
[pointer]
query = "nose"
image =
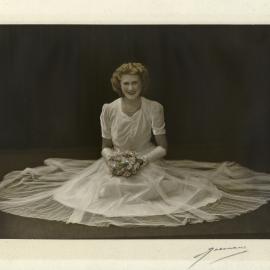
x,y
130,87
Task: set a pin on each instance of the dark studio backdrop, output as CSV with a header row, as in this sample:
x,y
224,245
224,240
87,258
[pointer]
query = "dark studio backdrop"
x,y
213,81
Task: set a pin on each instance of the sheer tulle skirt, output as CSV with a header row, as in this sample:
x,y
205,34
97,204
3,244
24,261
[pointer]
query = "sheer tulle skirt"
x,y
164,193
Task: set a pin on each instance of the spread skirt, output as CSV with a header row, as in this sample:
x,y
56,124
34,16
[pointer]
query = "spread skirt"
x,y
163,193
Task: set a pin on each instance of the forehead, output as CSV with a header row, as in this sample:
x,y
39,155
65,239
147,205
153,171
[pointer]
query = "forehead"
x,y
130,77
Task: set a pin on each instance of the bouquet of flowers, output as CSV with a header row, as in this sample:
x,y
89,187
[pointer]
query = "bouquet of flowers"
x,y
125,163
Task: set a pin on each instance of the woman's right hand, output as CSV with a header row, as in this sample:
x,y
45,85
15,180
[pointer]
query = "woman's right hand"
x,y
111,164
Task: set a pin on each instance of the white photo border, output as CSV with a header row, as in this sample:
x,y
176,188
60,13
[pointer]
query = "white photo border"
x,y
130,254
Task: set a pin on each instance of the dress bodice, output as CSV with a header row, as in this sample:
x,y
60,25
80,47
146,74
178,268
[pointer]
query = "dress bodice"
x,y
132,132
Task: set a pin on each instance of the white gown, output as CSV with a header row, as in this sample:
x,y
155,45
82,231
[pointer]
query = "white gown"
x,y
163,193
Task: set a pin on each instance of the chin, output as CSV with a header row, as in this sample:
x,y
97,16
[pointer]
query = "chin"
x,y
132,97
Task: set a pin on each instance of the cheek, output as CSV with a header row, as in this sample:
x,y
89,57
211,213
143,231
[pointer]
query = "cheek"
x,y
123,88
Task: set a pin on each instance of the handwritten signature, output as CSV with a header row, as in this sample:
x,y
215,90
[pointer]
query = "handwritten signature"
x,y
235,251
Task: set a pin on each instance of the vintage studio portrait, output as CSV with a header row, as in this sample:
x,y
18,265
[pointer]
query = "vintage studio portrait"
x,y
125,131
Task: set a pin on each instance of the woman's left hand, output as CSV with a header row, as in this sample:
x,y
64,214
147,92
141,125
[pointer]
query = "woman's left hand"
x,y
143,161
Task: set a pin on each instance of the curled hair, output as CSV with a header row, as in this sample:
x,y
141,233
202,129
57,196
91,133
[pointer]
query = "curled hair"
x,y
131,69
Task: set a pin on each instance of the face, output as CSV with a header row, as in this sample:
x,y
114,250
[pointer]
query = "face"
x,y
131,86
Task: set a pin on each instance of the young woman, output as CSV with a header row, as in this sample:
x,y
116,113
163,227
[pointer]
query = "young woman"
x,y
131,184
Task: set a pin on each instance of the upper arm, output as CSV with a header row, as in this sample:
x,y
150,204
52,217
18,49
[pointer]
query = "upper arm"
x,y
158,125
105,122
157,119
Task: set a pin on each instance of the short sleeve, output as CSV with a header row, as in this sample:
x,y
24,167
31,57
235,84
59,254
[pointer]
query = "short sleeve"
x,y
105,122
158,123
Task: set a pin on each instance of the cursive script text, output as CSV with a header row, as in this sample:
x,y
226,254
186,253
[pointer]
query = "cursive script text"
x,y
236,250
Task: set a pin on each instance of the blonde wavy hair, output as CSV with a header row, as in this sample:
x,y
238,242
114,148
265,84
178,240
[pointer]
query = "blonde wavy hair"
x,y
132,69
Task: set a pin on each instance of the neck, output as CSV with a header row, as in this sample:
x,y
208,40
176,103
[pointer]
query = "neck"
x,y
132,101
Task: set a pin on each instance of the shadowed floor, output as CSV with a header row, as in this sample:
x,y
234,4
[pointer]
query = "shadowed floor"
x,y
255,224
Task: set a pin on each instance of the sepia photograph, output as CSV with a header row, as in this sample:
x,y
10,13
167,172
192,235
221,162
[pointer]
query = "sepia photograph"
x,y
135,132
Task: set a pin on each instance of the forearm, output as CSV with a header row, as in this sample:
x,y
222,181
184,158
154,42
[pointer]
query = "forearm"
x,y
107,143
107,148
157,153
